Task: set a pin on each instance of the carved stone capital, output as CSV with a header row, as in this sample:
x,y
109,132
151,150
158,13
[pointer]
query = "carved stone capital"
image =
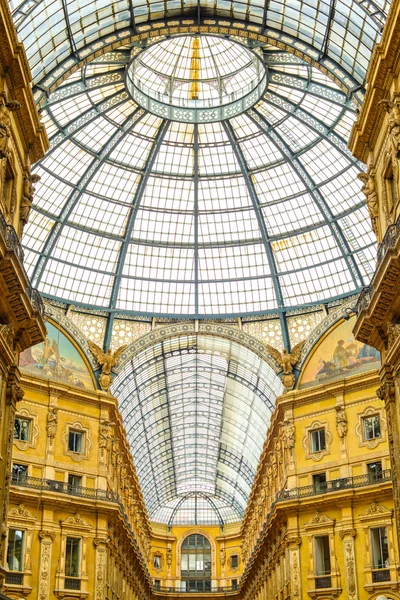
x,y
100,542
45,534
347,533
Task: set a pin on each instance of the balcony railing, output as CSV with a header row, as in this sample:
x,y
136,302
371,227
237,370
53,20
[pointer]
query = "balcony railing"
x,y
179,590
334,486
14,578
72,583
323,581
63,488
379,575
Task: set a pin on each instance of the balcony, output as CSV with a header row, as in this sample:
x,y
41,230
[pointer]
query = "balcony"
x,y
14,578
334,486
380,301
52,485
20,305
323,581
175,590
380,575
72,583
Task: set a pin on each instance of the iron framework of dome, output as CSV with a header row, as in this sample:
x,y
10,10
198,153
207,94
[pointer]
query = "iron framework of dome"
x,y
140,216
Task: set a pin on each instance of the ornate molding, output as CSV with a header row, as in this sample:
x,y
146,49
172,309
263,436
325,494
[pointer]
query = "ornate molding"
x,y
376,510
371,411
320,520
20,513
24,413
86,442
75,522
306,442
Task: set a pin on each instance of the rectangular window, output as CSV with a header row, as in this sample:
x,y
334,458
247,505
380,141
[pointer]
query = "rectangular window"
x,y
22,429
234,584
74,483
380,548
322,555
372,427
319,482
157,584
19,473
72,557
15,550
318,440
157,562
234,561
75,441
374,471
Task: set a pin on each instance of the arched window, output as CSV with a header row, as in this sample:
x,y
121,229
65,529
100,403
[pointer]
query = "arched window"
x,y
196,563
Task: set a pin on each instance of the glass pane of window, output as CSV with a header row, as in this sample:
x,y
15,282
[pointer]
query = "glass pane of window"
x,y
372,427
75,441
72,552
22,429
322,557
380,549
15,550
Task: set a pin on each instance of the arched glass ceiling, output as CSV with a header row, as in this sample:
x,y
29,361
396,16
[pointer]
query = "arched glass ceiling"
x,y
59,32
262,212
196,410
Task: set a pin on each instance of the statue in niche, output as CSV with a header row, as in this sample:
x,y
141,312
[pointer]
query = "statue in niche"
x,y
341,421
107,360
27,195
371,196
52,420
105,434
393,110
5,123
287,361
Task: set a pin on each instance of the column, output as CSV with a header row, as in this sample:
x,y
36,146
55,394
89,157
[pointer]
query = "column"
x,y
46,542
350,562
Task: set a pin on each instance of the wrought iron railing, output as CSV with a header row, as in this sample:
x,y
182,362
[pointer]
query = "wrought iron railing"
x,y
323,581
183,590
63,488
379,575
14,578
72,583
334,485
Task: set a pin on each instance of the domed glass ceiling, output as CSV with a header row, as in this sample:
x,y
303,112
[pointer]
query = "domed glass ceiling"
x,y
260,212
196,79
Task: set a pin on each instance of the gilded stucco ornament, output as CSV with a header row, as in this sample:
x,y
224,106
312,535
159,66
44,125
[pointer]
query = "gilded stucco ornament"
x,y
52,420
27,195
107,360
287,361
368,188
5,123
393,110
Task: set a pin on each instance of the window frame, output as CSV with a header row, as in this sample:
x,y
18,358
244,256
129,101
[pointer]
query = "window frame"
x,y
23,547
81,437
78,561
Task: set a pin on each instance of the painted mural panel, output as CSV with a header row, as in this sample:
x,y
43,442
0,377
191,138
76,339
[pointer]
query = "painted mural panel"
x,y
56,358
339,355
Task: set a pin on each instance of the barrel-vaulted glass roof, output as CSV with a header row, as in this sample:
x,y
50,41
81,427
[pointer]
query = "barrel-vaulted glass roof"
x,y
196,409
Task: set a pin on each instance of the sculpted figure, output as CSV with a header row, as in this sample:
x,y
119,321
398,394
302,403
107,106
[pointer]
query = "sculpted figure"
x,y
341,421
105,434
5,123
287,361
52,420
369,190
288,440
393,110
108,360
27,195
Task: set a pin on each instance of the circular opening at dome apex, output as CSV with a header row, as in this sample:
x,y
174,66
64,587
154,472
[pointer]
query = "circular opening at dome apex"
x,y
196,79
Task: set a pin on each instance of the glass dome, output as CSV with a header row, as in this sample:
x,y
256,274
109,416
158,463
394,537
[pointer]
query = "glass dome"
x,y
138,214
196,79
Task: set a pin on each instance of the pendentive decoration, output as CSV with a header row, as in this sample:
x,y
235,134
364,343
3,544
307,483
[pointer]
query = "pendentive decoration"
x,y
287,361
107,360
